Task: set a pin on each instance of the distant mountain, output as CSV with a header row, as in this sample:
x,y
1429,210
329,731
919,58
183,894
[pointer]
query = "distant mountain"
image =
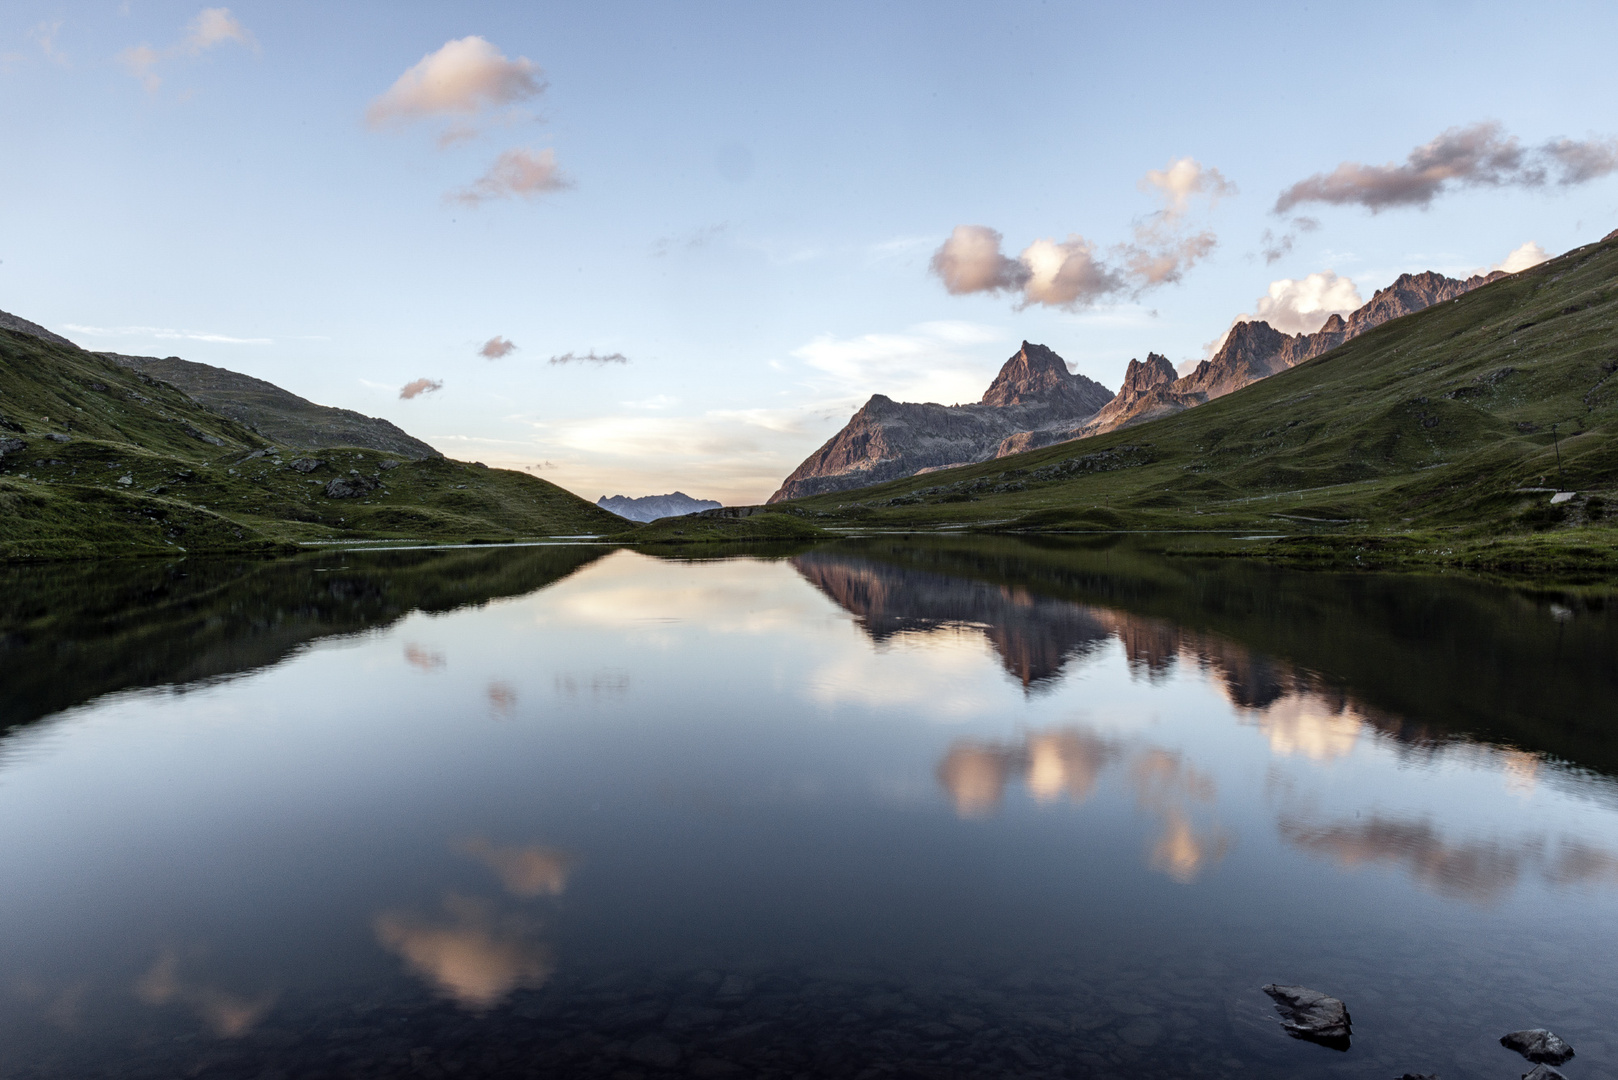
x,y
279,415
17,325
1256,350
1033,401
652,507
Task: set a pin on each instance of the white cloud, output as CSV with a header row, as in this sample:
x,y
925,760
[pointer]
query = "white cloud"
x,y
211,27
937,361
497,347
1183,179
1521,258
524,173
1302,306
165,334
463,78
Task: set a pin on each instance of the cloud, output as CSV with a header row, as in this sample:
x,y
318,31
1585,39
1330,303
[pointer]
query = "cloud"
x,y
1302,305
936,361
970,261
1481,155
462,78
44,35
1069,273
1182,180
166,334
211,27
1066,275
1581,162
215,26
691,241
496,347
519,172
1521,258
1277,247
230,1015
417,387
590,357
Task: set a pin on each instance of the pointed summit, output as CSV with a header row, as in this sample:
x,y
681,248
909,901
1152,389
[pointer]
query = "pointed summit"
x,y
1037,375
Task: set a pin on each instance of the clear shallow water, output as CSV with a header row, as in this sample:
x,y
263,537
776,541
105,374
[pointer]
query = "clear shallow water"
x,y
869,809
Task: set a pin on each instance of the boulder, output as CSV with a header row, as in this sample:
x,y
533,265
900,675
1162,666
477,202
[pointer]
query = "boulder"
x,y
350,487
11,446
1538,1044
1309,1014
1544,1072
305,464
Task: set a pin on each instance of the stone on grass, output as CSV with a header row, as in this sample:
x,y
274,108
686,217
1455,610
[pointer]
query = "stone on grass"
x,y
1309,1014
1538,1044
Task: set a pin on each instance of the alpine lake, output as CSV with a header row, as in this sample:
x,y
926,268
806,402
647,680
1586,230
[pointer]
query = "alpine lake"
x,y
883,807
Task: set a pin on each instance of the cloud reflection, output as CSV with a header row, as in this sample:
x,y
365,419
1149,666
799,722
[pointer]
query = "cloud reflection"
x,y
228,1014
526,872
1480,871
472,954
1068,763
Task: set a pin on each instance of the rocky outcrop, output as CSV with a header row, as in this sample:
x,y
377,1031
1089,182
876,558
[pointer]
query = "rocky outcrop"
x,y
1255,350
652,507
1033,401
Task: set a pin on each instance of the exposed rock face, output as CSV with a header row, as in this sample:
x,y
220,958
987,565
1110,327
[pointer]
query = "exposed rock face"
x,y
652,507
276,414
1309,1014
1033,401
1255,350
1538,1044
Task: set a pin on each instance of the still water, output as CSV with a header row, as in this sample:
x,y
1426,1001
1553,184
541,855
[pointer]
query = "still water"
x,y
869,809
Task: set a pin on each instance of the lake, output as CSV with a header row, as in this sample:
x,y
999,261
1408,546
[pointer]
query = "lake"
x,y
878,808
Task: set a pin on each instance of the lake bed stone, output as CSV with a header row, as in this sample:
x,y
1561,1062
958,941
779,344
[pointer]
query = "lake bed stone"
x,y
1310,1015
1538,1044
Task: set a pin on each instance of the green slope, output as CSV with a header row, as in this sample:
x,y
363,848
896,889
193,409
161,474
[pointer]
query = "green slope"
x,y
1426,430
97,460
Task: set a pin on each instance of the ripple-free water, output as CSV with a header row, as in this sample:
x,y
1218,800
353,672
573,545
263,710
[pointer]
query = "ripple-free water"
x,y
869,809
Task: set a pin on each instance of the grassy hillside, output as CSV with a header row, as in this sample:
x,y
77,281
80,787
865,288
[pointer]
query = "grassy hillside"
x,y
1415,442
97,460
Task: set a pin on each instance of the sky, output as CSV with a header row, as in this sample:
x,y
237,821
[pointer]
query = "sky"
x,y
635,248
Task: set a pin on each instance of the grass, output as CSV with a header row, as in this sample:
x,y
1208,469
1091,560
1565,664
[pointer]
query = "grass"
x,y
1412,444
104,461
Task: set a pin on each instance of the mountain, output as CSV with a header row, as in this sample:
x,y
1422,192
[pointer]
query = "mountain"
x,y
1033,401
1438,437
1255,350
98,458
652,507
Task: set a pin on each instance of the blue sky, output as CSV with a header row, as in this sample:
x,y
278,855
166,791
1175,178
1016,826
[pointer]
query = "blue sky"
x,y
744,200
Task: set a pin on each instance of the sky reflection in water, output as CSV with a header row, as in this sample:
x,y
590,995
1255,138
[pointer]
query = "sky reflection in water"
x,y
755,766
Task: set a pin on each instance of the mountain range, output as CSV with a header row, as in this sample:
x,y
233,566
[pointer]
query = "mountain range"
x,y
652,507
1035,401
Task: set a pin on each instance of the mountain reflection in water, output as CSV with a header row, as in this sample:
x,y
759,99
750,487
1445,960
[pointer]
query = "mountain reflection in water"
x,y
966,807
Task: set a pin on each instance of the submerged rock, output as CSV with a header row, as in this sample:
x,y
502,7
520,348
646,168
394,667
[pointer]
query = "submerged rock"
x,y
1544,1072
1309,1014
1538,1044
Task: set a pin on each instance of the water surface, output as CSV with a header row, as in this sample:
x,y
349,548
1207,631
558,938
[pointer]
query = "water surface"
x,y
873,808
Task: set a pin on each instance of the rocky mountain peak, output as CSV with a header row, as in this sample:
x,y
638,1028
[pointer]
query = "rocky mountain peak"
x,y
1145,374
1033,374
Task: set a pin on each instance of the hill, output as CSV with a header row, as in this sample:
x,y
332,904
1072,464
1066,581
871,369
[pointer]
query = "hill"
x,y
279,415
101,459
1439,436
